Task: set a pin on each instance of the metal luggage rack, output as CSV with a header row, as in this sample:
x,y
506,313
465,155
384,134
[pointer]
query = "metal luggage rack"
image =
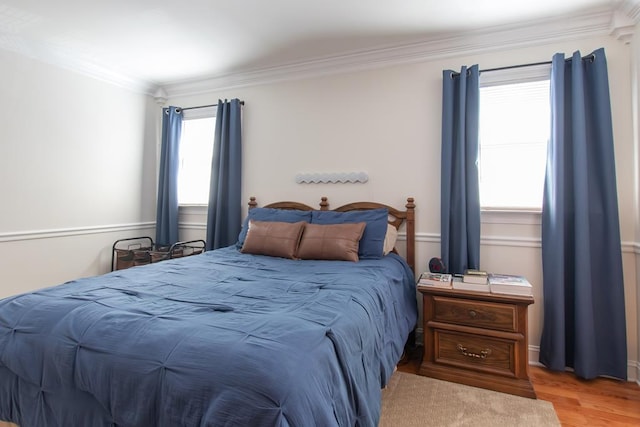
x,y
141,250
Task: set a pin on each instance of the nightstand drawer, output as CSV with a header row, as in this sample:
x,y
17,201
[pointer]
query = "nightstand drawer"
x,y
475,352
479,314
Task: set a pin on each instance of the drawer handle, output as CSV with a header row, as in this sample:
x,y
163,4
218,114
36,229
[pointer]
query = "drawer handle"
x,y
482,355
472,314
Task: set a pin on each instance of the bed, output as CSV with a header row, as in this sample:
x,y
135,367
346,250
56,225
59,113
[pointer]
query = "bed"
x,y
237,336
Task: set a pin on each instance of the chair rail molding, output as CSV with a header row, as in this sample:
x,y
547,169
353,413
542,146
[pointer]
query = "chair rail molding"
x,y
17,236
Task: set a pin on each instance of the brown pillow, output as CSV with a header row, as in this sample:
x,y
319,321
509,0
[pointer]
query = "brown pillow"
x,y
331,241
273,238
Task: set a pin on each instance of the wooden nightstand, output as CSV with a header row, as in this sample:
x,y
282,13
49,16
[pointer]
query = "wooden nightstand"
x,y
477,339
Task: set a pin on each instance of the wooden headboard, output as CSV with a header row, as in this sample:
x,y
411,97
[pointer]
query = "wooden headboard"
x,y
396,218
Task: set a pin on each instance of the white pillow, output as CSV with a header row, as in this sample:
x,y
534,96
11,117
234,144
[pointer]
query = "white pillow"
x,y
390,239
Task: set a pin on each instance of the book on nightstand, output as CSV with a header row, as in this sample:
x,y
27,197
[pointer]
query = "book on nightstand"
x,y
475,276
435,280
509,284
459,283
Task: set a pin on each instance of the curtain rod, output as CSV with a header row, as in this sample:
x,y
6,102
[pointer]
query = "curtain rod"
x,y
205,106
532,64
508,67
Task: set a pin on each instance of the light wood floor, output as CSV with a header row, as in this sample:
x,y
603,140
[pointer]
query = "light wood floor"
x,y
578,403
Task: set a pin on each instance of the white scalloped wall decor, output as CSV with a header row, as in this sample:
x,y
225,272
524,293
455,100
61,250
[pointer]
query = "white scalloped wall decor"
x,y
331,177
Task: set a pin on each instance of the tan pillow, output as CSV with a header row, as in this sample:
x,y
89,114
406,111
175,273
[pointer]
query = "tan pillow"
x,y
331,241
390,239
273,238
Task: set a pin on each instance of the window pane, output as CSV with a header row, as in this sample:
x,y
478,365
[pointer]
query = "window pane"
x,y
514,130
196,150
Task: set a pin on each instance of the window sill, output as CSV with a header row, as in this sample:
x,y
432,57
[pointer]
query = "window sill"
x,y
193,209
511,216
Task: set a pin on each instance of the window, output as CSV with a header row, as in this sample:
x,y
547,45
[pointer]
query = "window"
x,y
196,151
515,121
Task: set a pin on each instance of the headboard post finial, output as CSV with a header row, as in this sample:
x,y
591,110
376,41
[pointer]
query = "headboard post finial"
x,y
410,204
324,204
252,202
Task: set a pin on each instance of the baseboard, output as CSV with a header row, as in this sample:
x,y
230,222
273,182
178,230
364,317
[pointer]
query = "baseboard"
x,y
633,367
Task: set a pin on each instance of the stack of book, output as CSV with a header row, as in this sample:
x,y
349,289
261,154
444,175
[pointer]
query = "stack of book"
x,y
509,284
473,280
435,280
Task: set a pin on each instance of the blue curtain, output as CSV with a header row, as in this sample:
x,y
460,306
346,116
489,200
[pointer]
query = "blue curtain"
x,y
460,200
584,313
167,208
224,218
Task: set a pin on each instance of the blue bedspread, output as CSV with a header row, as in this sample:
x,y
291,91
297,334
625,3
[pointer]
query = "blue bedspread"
x,y
216,339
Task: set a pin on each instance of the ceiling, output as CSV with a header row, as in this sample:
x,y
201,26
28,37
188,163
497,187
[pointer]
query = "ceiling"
x,y
167,41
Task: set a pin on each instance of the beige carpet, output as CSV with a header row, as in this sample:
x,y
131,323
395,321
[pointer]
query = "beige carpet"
x,y
414,400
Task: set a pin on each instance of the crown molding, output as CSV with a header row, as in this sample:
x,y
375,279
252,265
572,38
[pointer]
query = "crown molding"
x,y
631,8
628,14
82,64
624,20
104,74
599,22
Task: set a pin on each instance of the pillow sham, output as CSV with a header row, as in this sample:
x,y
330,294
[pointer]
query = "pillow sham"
x,y
270,214
331,241
273,238
390,239
372,241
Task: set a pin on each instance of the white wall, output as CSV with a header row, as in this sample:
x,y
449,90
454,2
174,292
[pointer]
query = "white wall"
x,y
387,122
77,167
